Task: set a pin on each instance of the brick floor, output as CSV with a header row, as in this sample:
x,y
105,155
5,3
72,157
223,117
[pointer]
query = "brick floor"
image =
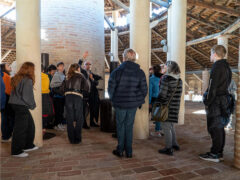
x,y
93,159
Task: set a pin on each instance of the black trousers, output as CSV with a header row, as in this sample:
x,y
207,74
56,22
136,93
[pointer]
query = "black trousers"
x,y
24,130
74,108
218,140
7,122
59,110
85,111
94,112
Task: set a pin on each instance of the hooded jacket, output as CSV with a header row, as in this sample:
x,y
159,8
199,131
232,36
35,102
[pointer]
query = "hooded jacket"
x,y
45,83
127,86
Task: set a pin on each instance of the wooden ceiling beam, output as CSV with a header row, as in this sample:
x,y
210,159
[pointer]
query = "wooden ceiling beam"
x,y
196,61
9,33
211,6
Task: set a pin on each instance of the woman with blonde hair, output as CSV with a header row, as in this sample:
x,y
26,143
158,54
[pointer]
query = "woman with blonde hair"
x,y
74,87
21,100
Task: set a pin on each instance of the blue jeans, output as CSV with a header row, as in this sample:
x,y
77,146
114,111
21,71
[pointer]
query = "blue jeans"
x,y
125,119
157,126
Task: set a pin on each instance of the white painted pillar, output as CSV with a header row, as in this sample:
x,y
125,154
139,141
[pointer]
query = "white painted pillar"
x,y
28,49
169,33
139,41
114,38
223,40
0,41
178,43
150,37
205,78
237,128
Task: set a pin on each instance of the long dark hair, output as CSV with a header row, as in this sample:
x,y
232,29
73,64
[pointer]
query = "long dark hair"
x,y
3,68
26,70
72,70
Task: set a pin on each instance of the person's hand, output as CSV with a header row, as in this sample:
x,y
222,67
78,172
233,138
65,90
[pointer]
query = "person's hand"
x,y
91,77
85,55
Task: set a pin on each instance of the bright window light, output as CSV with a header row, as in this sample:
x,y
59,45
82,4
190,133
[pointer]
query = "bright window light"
x,y
200,112
11,15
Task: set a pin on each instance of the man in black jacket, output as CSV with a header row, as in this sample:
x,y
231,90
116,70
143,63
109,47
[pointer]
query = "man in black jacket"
x,y
127,88
217,103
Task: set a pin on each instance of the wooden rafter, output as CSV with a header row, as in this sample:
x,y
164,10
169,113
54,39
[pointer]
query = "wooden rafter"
x,y
214,7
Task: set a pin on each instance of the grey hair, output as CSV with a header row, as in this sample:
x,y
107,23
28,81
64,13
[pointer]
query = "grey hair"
x,y
129,55
172,67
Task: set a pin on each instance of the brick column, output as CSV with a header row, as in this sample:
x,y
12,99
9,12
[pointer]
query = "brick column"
x,y
28,49
237,129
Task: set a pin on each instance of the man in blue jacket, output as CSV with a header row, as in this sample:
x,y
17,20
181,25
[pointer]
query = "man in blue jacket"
x,y
127,88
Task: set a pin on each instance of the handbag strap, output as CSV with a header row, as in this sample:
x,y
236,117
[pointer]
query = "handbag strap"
x,y
173,93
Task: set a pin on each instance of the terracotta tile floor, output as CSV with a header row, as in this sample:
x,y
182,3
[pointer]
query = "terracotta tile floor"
x,y
93,159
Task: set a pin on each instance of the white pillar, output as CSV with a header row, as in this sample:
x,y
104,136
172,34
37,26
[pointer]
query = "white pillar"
x,y
0,41
223,40
169,33
150,37
205,78
28,49
178,43
139,41
237,128
114,38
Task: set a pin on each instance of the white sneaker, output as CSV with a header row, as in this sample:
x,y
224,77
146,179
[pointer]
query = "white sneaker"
x,y
62,126
22,155
58,128
31,149
6,140
155,134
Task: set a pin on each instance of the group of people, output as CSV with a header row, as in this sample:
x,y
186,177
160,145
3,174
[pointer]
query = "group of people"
x,y
127,88
74,94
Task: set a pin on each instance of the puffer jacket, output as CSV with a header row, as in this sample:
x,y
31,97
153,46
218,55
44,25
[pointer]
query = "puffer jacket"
x,y
167,87
127,86
77,85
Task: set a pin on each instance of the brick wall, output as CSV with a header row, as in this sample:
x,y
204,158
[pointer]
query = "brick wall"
x,y
71,27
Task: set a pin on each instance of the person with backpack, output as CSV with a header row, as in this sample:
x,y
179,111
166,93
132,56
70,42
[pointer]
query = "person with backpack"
x,y
127,88
170,93
58,98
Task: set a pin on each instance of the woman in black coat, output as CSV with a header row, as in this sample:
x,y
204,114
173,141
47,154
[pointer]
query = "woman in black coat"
x,y
170,86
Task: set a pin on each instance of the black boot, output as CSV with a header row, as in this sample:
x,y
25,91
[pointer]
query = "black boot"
x,y
176,148
167,151
117,153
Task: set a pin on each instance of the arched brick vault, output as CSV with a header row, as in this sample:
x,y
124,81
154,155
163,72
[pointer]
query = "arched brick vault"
x,y
201,21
